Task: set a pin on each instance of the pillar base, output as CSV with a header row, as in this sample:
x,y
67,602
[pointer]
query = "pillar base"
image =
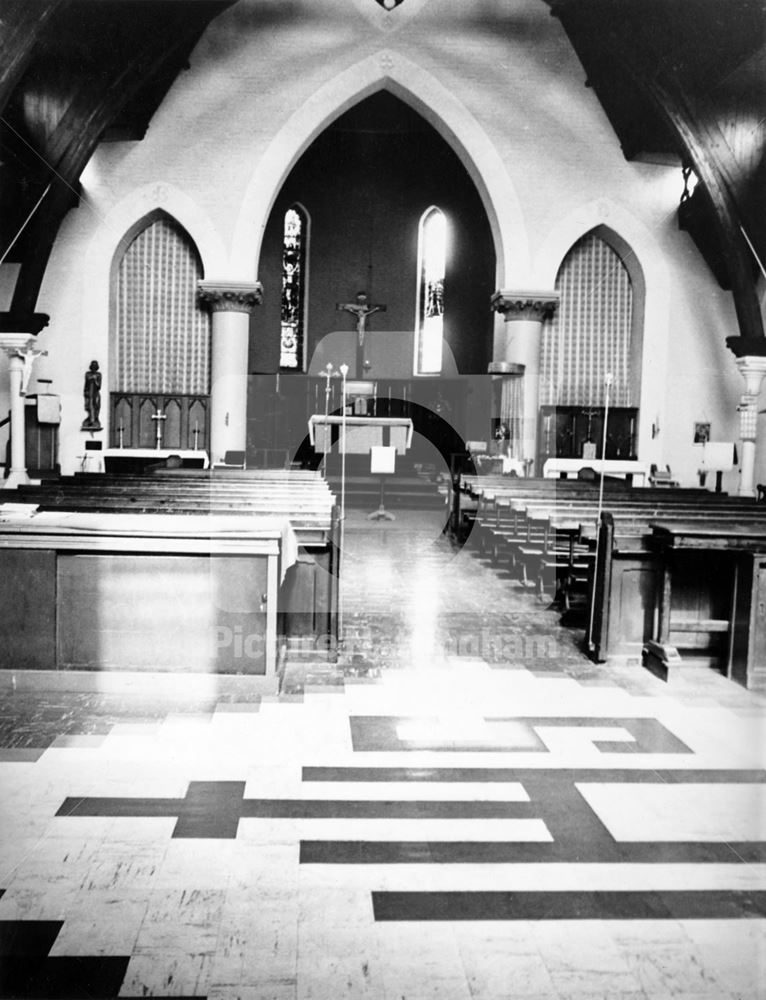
x,y
16,477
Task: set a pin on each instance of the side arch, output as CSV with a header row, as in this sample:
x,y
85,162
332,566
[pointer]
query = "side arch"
x,y
441,109
648,269
114,233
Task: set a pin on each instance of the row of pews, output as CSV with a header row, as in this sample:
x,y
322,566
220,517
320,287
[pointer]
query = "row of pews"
x,y
302,496
654,573
180,569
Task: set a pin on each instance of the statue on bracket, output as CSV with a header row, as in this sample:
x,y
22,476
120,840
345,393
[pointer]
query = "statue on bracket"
x,y
92,398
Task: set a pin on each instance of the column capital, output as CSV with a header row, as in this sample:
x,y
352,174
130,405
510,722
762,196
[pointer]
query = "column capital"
x,y
230,296
751,364
535,306
752,368
16,344
510,368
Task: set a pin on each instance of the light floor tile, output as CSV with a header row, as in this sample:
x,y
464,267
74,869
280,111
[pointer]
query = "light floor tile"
x,y
711,812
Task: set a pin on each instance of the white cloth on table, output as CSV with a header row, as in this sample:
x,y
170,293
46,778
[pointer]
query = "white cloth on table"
x,y
161,525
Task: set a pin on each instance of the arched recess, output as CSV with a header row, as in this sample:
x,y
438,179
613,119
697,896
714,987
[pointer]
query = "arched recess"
x,y
648,270
616,266
441,109
116,230
179,247
160,349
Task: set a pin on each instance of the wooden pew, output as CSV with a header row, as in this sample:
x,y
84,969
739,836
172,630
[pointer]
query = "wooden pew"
x,y
740,612
308,597
632,570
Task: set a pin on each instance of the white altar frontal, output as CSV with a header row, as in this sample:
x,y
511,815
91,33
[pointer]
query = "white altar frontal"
x,y
362,433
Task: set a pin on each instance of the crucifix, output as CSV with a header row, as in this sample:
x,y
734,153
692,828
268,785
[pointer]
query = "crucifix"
x,y
159,417
196,433
361,309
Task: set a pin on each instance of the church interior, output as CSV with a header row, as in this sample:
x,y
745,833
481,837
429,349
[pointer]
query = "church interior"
x,y
383,507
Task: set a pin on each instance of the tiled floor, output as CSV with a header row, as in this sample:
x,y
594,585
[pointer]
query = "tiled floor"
x,y
464,809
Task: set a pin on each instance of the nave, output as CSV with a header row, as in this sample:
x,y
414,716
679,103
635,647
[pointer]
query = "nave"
x,y
466,808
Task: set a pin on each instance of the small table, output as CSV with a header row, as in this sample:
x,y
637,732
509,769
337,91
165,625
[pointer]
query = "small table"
x,y
362,433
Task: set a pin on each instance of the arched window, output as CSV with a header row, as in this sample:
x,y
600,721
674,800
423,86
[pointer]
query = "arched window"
x,y
432,257
591,333
162,336
294,242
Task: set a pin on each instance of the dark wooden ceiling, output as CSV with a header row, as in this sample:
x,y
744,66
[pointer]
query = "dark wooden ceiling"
x,y
74,73
680,80
687,79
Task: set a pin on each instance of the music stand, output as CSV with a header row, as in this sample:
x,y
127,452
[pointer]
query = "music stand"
x,y
382,463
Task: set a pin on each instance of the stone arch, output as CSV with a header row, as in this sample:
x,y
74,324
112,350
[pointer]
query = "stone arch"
x,y
441,109
117,229
648,269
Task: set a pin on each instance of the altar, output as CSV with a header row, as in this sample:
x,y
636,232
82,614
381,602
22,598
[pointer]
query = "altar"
x,y
362,433
136,460
633,471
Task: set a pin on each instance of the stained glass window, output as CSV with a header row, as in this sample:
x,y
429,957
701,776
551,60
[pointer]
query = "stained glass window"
x,y
432,255
293,278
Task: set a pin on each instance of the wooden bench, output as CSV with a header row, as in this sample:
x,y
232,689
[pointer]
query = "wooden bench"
x,y
631,600
308,596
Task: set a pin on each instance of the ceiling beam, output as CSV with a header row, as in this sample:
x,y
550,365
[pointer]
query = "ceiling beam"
x,y
632,41
22,23
96,99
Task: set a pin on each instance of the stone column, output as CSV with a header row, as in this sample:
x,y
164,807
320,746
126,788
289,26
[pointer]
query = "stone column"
x,y
517,342
231,303
752,368
20,350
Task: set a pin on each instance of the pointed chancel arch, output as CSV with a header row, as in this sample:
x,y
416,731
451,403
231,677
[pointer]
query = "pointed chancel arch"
x,y
440,108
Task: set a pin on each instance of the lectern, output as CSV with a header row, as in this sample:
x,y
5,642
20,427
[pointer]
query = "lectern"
x,y
382,438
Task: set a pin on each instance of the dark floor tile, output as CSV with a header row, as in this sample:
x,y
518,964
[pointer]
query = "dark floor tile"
x,y
343,852
62,977
27,938
582,905
211,809
383,809
105,806
24,755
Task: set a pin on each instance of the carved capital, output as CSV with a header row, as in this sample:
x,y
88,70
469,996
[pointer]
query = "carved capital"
x,y
752,368
509,368
230,296
536,306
